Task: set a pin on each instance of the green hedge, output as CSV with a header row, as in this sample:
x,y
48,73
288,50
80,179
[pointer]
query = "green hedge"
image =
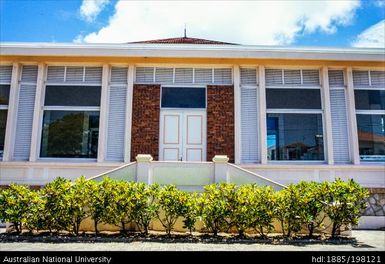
x,y
63,205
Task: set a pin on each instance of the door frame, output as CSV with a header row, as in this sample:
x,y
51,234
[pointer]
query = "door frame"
x,y
183,112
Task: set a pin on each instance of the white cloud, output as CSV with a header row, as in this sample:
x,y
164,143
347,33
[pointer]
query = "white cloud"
x,y
90,9
79,39
246,22
372,37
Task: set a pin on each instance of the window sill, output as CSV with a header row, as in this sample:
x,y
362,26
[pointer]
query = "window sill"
x,y
297,162
75,160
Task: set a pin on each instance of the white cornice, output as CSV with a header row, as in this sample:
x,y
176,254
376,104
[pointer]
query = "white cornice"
x,y
191,51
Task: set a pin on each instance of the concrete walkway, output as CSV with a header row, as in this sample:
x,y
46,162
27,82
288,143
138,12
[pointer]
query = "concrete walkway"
x,y
367,240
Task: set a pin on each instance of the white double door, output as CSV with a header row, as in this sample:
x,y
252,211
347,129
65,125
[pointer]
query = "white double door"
x,y
183,135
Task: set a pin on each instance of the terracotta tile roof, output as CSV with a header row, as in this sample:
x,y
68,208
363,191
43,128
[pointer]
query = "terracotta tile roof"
x,y
183,40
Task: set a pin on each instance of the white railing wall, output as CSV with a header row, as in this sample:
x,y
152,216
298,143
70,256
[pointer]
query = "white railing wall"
x,y
189,176
239,175
126,172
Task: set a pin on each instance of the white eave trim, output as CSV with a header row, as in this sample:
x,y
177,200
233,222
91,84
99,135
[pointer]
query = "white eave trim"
x,y
191,51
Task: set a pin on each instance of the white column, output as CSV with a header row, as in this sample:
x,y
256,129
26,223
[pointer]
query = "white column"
x,y
221,169
352,120
102,141
143,168
10,127
237,115
261,97
327,116
127,136
37,114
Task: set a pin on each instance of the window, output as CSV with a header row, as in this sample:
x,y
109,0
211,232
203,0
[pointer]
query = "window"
x,y
294,115
3,123
173,97
371,137
4,98
72,95
369,94
5,85
71,112
293,98
70,134
168,75
294,137
370,99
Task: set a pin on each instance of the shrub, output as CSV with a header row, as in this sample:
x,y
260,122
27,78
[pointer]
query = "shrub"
x,y
312,203
145,206
263,208
242,209
344,202
78,200
102,201
123,204
252,208
190,211
15,204
36,213
289,210
62,205
215,206
55,214
171,204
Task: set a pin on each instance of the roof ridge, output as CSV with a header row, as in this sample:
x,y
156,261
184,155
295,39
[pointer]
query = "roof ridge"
x,y
182,40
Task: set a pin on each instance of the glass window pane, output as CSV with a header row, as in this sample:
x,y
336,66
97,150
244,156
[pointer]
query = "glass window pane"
x,y
4,94
3,122
293,98
183,97
371,137
72,95
295,137
370,99
70,134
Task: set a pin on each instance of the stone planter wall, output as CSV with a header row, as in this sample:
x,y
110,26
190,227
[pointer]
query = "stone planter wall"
x,y
375,202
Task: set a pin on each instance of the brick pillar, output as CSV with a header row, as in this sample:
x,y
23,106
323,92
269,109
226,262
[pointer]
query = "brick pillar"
x,y
145,120
220,121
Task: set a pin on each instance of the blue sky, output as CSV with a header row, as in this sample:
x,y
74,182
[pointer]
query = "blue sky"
x,y
296,23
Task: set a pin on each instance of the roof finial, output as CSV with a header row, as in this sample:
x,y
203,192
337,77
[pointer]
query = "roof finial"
x,y
185,34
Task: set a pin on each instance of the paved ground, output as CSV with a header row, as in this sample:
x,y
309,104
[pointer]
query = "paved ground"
x,y
366,240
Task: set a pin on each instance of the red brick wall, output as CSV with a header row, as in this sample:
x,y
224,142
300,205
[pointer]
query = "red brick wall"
x,y
220,121
145,120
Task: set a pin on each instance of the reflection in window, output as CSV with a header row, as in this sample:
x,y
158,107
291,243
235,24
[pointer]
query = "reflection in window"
x,y
70,134
370,99
295,137
183,97
371,137
3,122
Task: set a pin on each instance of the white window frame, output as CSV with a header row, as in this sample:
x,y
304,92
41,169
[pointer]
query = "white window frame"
x,y
291,86
66,108
299,111
368,111
5,107
193,67
371,112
